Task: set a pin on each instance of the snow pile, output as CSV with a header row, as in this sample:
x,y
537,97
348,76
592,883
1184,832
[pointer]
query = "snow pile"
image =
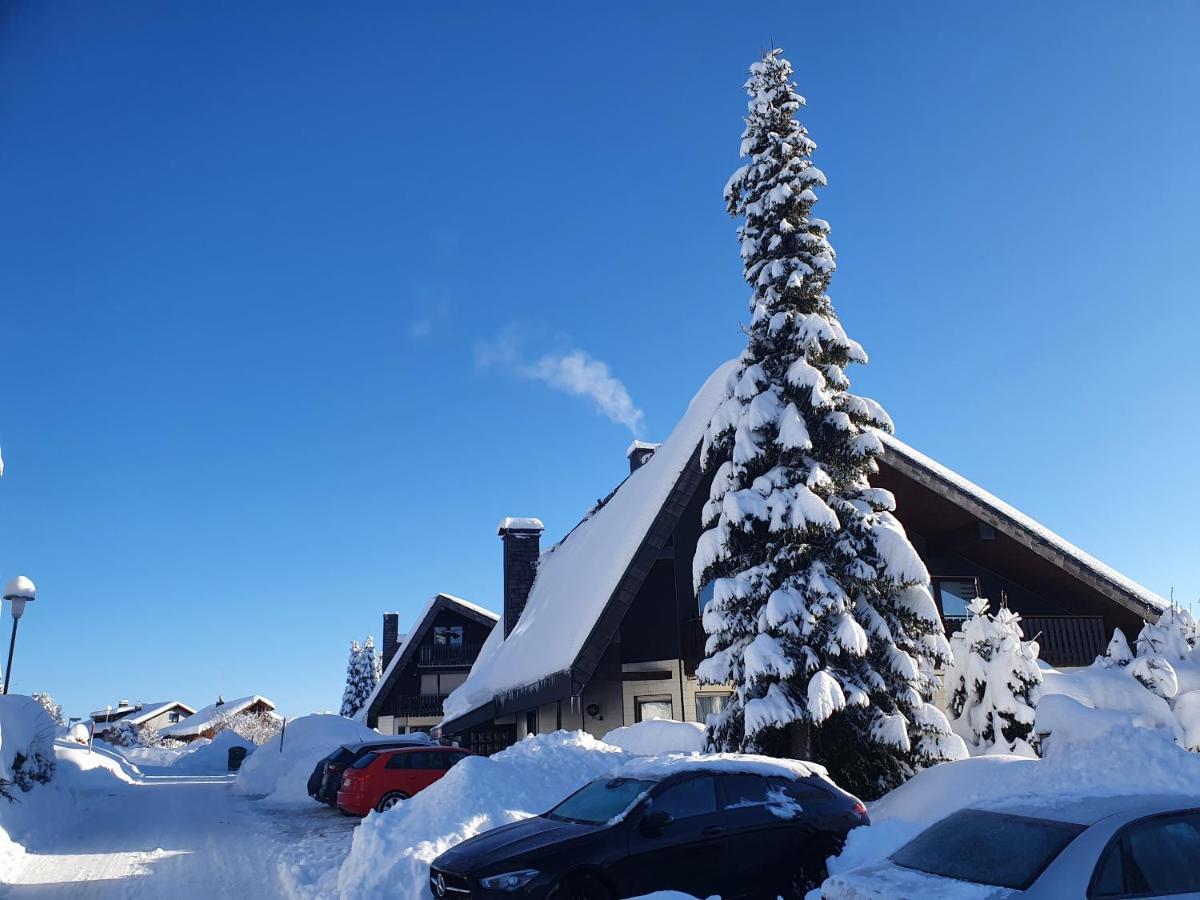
x,y
585,567
1125,760
658,736
392,851
200,757
282,775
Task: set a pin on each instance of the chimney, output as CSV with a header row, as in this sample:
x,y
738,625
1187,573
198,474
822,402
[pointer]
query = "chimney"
x,y
639,454
391,638
522,544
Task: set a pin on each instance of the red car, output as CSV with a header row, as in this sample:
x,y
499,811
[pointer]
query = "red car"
x,y
382,778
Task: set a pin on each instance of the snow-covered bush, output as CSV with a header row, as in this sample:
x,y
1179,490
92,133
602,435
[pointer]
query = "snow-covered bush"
x,y
123,734
26,744
657,736
54,709
256,727
822,617
994,683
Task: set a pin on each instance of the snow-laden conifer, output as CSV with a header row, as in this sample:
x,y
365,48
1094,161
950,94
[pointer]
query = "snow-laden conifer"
x,y
352,696
994,682
1117,655
370,668
821,617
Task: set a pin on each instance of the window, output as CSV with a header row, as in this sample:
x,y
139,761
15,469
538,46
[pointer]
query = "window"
x,y
365,760
987,848
449,681
706,595
745,790
697,797
173,716
709,705
652,708
954,595
448,635
800,791
451,757
1161,855
399,761
600,801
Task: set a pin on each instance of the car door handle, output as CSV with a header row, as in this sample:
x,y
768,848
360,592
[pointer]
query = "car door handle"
x,y
711,830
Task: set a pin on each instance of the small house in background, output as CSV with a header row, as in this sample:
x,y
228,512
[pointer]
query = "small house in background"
x,y
207,722
422,667
604,629
154,716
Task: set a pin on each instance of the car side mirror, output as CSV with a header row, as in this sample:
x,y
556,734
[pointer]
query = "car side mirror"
x,y
655,821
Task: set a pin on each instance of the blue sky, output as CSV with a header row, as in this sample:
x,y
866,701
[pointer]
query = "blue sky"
x,y
275,283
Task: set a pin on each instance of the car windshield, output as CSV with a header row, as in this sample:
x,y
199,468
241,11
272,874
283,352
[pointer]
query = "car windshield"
x,y
365,760
987,848
600,801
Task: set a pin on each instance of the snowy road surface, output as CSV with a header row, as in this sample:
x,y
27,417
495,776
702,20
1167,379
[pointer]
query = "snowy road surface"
x,y
174,836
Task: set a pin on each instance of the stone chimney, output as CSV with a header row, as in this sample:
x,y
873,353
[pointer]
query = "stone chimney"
x,y
391,638
522,544
639,453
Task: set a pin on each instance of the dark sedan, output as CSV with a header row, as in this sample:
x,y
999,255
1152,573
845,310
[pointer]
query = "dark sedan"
x,y
703,828
326,777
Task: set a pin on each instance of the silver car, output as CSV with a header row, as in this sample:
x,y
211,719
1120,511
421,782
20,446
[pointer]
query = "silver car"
x,y
1093,848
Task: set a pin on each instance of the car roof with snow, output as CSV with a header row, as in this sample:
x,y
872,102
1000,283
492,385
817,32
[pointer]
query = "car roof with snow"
x,y
659,767
1083,810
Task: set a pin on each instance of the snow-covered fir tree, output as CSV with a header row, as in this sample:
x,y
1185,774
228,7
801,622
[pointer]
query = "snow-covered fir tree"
x,y
1174,636
352,696
1117,655
370,667
821,617
50,706
994,682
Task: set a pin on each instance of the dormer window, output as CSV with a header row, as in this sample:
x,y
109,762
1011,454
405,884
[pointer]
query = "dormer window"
x,y
448,635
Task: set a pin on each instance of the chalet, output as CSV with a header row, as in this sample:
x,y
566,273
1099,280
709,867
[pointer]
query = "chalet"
x,y
207,722
427,664
603,629
153,716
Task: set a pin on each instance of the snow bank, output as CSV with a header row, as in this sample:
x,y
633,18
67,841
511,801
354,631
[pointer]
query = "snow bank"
x,y
200,757
282,776
658,736
391,852
1126,760
1104,698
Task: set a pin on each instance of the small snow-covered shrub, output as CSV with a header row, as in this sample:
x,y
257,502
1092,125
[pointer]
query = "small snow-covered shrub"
x,y
26,744
994,683
258,728
123,734
54,709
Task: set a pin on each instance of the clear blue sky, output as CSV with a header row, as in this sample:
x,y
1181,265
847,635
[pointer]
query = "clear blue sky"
x,y
270,274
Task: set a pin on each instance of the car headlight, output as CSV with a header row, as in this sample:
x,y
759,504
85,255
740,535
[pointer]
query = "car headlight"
x,y
509,881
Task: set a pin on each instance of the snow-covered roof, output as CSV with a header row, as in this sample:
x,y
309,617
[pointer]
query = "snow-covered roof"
x,y
1019,522
576,577
420,624
139,712
201,721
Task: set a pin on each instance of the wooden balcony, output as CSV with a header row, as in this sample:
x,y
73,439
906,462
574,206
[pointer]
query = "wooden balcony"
x,y
1063,640
422,705
430,656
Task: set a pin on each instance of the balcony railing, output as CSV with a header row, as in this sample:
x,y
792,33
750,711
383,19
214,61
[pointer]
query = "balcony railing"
x,y
422,705
434,655
1062,640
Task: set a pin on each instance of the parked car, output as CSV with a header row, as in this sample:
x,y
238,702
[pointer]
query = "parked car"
x,y
380,779
1134,846
703,827
326,777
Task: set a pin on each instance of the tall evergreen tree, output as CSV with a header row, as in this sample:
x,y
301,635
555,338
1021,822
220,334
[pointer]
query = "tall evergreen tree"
x,y
370,667
352,695
821,617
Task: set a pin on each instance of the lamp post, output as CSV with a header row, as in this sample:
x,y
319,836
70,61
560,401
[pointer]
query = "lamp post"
x,y
19,591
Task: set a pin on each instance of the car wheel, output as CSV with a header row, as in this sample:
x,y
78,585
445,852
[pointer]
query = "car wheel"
x,y
387,801
581,889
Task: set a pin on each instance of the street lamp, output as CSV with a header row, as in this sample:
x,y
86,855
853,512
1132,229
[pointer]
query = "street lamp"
x,y
20,591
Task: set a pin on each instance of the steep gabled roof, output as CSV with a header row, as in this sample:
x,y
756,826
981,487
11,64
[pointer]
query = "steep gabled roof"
x,y
987,507
416,634
201,721
585,583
